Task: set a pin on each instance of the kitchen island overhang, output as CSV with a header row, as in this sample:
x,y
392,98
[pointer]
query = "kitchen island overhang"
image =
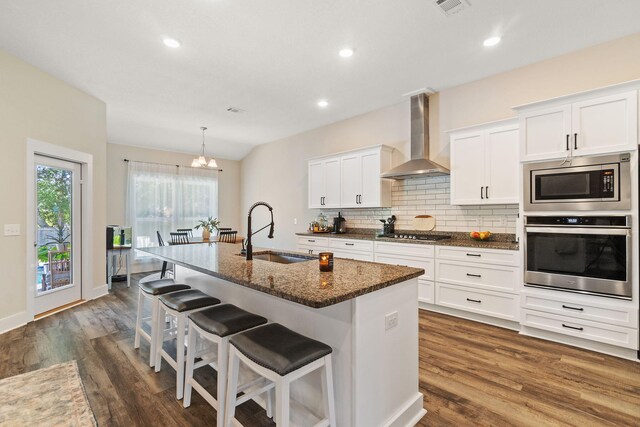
x,y
375,365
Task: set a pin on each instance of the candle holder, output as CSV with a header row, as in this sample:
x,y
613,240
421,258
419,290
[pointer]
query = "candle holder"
x,y
326,261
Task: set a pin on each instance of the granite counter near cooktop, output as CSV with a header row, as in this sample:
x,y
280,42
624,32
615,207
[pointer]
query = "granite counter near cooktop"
x,y
300,282
497,241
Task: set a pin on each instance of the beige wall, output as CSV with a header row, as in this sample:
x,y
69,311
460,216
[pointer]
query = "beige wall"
x,y
277,172
228,181
35,105
228,186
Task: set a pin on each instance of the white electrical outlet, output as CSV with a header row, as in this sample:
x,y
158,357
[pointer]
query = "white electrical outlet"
x,y
12,229
295,221
390,320
502,221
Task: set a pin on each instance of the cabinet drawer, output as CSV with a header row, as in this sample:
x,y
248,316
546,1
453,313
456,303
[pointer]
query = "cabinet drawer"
x,y
313,241
358,256
426,291
491,277
425,251
426,264
485,256
610,314
351,245
609,334
311,250
504,306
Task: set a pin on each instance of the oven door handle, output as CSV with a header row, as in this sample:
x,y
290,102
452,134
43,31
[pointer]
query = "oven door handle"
x,y
580,230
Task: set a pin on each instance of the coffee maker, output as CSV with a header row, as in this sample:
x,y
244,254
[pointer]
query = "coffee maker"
x,y
339,224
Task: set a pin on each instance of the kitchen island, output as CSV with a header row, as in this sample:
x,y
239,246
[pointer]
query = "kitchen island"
x,y
367,312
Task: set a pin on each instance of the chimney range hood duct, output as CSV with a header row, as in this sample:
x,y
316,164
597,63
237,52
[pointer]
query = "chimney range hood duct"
x,y
419,165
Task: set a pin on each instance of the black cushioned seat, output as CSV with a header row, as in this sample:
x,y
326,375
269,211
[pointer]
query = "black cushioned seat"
x,y
162,286
188,300
226,319
279,349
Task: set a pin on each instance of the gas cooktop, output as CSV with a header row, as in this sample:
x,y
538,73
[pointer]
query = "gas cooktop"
x,y
427,237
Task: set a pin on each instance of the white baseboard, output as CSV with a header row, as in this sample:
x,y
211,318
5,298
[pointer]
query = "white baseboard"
x,y
410,413
14,321
100,291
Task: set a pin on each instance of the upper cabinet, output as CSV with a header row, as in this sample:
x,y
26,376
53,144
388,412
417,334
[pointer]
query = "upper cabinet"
x,y
351,180
579,125
484,164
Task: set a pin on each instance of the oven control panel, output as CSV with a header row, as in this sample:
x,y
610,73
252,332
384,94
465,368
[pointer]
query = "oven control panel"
x,y
581,221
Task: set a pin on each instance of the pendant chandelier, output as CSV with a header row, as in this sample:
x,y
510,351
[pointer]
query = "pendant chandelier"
x,y
201,161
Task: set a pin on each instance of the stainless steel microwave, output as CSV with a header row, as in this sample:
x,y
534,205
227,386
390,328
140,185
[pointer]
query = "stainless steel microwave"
x,y
584,183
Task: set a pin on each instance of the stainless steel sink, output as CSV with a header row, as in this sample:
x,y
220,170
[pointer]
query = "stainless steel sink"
x,y
281,258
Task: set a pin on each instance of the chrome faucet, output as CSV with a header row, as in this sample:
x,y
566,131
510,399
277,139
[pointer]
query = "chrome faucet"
x,y
249,249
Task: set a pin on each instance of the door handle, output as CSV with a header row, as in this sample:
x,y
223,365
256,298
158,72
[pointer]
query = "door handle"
x,y
474,275
474,300
575,141
481,196
568,136
486,191
572,327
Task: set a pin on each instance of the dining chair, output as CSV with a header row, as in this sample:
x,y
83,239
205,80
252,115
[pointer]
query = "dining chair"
x,y
227,236
164,263
179,238
224,229
189,231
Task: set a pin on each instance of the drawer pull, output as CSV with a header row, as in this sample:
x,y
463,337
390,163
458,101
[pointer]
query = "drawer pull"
x,y
572,327
349,244
476,300
310,251
311,241
573,308
474,275
476,255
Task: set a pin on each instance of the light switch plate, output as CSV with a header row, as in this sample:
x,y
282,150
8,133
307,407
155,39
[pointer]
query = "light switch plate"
x,y
12,229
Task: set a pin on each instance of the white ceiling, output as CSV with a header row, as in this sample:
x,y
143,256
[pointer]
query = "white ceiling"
x,y
276,58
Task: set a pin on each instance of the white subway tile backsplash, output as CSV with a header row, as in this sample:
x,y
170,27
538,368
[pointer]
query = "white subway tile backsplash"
x,y
431,196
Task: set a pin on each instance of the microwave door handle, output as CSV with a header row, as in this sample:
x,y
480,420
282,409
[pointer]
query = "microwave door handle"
x,y
580,230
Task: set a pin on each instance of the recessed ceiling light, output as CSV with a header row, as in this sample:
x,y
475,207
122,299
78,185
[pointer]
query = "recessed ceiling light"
x,y
346,52
169,42
323,103
491,41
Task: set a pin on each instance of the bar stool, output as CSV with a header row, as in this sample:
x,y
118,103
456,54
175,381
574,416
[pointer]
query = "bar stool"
x,y
281,356
151,290
178,305
216,325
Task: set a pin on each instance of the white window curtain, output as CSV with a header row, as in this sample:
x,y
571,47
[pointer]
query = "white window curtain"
x,y
163,198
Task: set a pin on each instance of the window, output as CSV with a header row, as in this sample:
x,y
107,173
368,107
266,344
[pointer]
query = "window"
x,y
164,198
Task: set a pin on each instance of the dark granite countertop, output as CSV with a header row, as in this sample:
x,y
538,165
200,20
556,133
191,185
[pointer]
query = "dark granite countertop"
x,y
496,241
301,282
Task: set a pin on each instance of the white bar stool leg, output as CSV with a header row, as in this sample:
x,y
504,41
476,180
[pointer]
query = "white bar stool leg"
x,y
327,391
136,341
232,387
160,322
282,402
223,364
180,356
191,355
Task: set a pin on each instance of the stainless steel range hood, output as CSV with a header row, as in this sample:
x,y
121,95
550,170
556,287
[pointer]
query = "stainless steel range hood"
x,y
419,165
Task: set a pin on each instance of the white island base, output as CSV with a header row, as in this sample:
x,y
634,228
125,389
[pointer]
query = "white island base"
x,y
375,369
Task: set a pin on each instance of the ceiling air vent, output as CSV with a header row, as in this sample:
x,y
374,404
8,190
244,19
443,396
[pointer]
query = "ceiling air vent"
x,y
449,7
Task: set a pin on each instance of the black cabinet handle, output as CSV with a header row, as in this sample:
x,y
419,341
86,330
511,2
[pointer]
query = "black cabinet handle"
x,y
568,136
575,141
349,244
310,251
572,327
573,308
360,198
474,300
474,275
476,255
486,191
357,199
481,196
311,241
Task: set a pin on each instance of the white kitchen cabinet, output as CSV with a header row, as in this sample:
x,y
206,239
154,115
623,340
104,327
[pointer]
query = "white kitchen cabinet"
x,y
580,125
324,183
312,245
484,165
362,186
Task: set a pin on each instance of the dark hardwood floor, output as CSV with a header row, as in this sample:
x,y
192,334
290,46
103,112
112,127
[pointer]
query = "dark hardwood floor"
x,y
470,373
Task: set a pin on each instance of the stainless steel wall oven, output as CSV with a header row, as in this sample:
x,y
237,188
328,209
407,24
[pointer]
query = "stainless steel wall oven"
x,y
583,183
586,254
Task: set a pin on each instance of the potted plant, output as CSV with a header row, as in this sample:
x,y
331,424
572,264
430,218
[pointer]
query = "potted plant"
x,y
208,226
